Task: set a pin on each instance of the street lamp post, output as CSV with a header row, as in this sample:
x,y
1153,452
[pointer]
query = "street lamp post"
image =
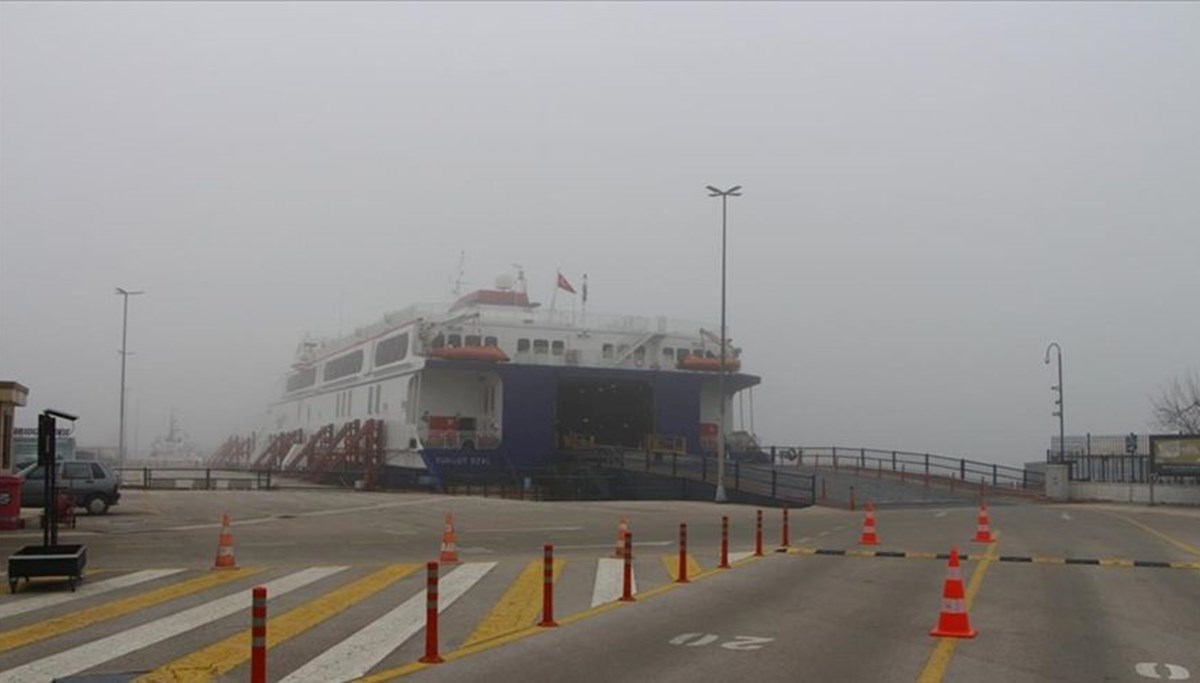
x,y
721,436
124,337
1062,442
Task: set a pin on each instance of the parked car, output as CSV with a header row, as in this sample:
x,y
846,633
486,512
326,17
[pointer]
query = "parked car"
x,y
93,485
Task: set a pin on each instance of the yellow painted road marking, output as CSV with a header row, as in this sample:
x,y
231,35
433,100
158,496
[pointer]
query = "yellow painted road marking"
x,y
1186,547
481,646
221,658
77,620
943,652
520,605
671,562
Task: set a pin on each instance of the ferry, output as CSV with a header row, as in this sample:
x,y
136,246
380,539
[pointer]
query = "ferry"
x,y
497,381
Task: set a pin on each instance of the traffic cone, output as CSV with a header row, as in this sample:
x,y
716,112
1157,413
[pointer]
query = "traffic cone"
x,y
622,531
983,532
225,559
449,554
952,621
868,533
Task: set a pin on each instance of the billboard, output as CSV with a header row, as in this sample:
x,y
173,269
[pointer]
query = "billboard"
x,y
1175,454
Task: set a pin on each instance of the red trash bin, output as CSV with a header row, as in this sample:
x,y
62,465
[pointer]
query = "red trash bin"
x,y
10,501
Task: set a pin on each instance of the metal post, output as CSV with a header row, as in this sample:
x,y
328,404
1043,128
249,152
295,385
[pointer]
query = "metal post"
x,y
774,472
431,615
851,499
722,434
683,577
548,586
258,636
1062,442
724,544
758,535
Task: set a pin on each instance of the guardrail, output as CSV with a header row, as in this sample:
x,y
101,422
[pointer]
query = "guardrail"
x,y
756,479
908,464
212,478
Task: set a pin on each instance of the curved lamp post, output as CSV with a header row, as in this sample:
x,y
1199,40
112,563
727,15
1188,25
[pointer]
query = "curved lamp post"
x,y
1062,443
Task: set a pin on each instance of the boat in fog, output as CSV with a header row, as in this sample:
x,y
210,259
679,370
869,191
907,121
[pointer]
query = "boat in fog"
x,y
493,381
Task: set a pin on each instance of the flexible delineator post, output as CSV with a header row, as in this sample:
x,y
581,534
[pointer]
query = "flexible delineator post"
x,y
431,616
258,636
683,577
724,543
758,535
786,541
627,590
548,586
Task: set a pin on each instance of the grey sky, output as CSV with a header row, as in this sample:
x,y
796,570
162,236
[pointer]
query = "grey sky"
x,y
933,193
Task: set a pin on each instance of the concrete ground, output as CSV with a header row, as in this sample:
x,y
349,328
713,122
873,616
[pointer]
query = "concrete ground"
x,y
345,571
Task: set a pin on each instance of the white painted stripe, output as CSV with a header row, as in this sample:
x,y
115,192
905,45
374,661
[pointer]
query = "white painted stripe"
x,y
610,580
299,515
940,513
21,605
738,557
806,539
1066,516
525,528
120,644
355,656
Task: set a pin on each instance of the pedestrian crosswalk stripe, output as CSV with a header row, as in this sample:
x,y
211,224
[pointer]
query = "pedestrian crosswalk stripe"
x,y
21,605
117,645
358,654
111,610
518,607
221,658
671,562
610,581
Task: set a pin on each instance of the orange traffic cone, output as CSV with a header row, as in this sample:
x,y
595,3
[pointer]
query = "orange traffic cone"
x,y
449,553
225,559
868,533
953,622
983,532
622,531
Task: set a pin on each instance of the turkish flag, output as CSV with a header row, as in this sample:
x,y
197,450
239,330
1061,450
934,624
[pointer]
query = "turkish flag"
x,y
563,284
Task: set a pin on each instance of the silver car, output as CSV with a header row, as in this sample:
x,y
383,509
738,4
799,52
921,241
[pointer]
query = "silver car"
x,y
93,485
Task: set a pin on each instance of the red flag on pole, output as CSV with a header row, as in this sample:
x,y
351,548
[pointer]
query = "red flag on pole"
x,y
563,284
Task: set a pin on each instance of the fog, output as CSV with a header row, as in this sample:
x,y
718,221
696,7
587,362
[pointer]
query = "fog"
x,y
932,194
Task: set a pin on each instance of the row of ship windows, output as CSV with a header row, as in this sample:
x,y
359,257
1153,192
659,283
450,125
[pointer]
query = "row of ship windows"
x,y
387,351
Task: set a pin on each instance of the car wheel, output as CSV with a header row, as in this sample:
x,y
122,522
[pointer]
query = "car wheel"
x,y
96,505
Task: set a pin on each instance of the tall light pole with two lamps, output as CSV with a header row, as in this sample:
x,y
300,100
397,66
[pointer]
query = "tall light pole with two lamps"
x,y
734,191
1062,442
124,336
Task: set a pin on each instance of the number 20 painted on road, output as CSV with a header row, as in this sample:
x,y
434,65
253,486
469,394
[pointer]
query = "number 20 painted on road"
x,y
738,642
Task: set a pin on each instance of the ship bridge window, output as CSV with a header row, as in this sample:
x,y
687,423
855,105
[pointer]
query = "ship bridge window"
x,y
301,379
639,354
438,342
490,341
668,352
343,366
454,341
606,351
540,346
557,348
391,350
474,340
522,346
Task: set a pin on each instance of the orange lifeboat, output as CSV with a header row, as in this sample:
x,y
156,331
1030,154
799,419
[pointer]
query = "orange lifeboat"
x,y
701,363
487,354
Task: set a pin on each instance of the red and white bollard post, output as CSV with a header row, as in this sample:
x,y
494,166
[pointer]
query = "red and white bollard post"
x,y
548,586
786,540
683,577
258,636
431,616
758,535
724,544
627,590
